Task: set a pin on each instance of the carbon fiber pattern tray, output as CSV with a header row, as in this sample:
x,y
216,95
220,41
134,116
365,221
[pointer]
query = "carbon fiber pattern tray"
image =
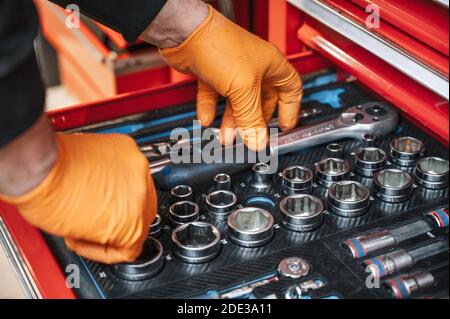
x,y
343,277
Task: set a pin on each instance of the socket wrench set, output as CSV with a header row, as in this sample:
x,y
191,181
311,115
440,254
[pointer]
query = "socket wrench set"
x,y
358,208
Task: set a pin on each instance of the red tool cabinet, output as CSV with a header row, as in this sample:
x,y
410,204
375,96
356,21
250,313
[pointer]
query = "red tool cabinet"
x,y
415,29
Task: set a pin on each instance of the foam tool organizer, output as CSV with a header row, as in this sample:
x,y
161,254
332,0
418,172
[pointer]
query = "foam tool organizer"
x,y
348,219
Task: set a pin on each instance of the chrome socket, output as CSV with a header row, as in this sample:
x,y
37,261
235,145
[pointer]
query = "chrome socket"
x,y
404,286
222,182
221,203
369,160
251,227
301,212
262,176
369,140
155,227
181,213
334,150
182,193
196,242
432,173
405,151
392,185
146,266
331,170
388,264
297,179
348,199
363,245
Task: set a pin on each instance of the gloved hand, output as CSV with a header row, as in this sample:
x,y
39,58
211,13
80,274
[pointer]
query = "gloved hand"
x,y
252,73
99,197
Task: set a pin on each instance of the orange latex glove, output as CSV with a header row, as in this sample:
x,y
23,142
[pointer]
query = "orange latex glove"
x,y
252,73
99,196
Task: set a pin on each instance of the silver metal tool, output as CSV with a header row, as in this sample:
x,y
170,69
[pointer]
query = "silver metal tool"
x,y
294,267
348,199
354,122
392,185
250,227
373,117
196,242
432,173
156,227
181,213
301,212
147,265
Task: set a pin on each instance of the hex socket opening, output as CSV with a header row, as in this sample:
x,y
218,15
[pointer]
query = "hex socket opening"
x,y
182,192
196,242
333,166
348,198
147,264
301,212
349,192
261,168
250,220
433,166
183,212
407,145
297,174
371,155
196,235
393,178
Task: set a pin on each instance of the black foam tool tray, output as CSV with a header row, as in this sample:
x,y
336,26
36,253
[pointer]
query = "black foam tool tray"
x,y
344,277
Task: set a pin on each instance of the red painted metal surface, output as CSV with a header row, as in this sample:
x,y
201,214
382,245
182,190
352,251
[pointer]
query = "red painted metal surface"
x,y
413,99
156,98
43,267
423,19
402,39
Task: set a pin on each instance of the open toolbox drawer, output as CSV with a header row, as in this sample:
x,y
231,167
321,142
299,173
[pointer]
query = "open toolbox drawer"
x,y
323,249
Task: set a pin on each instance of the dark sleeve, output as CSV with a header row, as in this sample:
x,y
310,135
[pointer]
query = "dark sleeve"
x,y
128,17
21,88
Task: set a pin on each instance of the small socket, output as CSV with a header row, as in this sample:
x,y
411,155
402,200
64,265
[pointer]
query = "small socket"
x,y
182,193
196,242
370,160
330,170
432,173
250,227
405,151
348,199
222,182
221,203
156,227
297,179
392,185
262,176
301,212
181,213
334,151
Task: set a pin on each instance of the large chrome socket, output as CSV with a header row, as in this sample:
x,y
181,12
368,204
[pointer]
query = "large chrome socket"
x,y
146,266
392,185
331,170
297,179
432,173
250,227
182,193
181,213
221,203
196,242
301,212
369,160
348,199
405,151
262,176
